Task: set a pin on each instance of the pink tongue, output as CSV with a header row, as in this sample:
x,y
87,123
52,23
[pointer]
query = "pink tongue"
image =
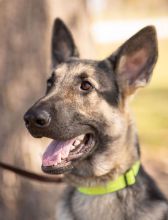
x,y
55,151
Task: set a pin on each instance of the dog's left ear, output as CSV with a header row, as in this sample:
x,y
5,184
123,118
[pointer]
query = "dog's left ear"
x,y
135,59
62,44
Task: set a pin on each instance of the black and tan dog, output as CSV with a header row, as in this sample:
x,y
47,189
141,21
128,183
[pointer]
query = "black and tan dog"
x,y
95,144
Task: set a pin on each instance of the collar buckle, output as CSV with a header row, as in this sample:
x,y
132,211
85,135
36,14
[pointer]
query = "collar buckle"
x,y
130,177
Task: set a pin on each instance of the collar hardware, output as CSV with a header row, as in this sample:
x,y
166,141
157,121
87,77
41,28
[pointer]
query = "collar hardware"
x,y
127,179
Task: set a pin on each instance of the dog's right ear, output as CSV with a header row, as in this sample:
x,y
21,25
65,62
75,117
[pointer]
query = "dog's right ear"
x,y
62,45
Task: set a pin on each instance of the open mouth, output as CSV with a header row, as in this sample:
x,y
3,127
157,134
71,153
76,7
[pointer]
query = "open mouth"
x,y
59,154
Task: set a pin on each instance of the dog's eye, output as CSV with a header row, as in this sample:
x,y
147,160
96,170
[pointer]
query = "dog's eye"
x,y
49,83
51,80
86,85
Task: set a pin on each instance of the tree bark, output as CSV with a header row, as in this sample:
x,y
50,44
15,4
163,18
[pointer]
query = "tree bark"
x,y
25,28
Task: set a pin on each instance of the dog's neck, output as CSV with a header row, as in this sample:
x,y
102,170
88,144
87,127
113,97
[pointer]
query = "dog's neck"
x,y
103,167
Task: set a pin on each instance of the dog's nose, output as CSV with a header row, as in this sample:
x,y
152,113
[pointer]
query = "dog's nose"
x,y
39,119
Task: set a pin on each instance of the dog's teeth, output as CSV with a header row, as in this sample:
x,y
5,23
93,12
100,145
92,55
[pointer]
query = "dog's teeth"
x,y
76,143
81,137
72,147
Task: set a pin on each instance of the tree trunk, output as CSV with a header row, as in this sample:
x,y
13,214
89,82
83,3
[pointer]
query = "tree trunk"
x,y
25,28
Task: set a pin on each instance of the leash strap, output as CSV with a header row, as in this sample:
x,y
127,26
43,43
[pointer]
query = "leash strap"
x,y
127,179
31,175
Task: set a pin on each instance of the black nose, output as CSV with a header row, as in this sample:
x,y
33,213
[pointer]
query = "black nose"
x,y
37,118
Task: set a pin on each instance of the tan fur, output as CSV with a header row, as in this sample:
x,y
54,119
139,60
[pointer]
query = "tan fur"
x,y
103,113
106,165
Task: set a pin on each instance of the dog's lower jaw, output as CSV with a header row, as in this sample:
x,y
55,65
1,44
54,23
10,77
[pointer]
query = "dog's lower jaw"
x,y
103,167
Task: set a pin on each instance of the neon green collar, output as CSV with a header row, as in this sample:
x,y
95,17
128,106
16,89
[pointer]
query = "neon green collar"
x,y
127,179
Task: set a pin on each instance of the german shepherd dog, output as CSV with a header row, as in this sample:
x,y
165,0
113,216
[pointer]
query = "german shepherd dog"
x,y
85,111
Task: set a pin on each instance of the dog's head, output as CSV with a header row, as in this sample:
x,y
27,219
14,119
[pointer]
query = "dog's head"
x,y
84,109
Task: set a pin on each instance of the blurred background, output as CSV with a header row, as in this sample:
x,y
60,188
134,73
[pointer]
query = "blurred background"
x,y
99,27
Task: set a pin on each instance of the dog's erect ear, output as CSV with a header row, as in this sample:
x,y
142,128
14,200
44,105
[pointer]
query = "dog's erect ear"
x,y
134,60
62,45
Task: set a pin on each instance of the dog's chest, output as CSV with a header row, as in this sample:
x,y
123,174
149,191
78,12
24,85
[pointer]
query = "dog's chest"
x,y
81,207
96,207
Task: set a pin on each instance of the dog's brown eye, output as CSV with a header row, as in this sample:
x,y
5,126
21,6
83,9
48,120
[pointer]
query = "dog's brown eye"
x,y
86,85
49,83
